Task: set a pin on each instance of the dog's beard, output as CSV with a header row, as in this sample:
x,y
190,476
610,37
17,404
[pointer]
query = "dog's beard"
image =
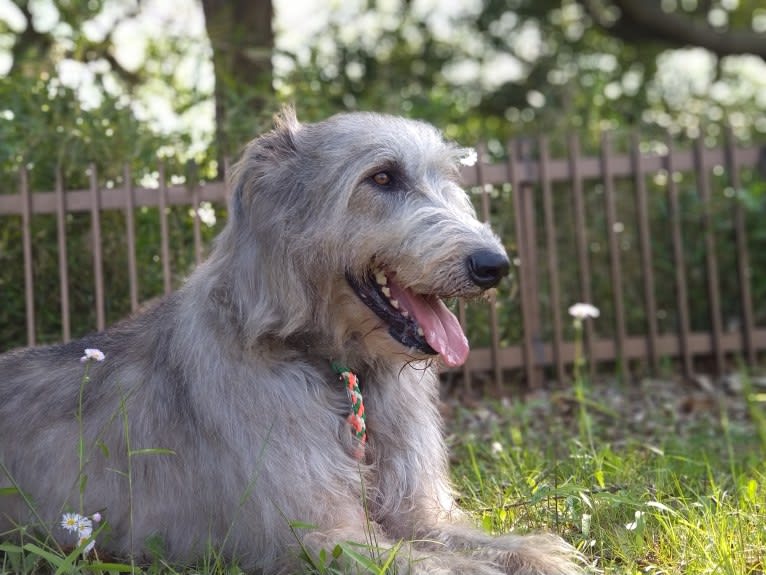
x,y
417,321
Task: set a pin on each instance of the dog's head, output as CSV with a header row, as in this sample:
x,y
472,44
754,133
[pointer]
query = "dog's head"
x,y
357,226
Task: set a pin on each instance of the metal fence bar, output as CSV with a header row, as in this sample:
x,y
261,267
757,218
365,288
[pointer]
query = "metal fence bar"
x,y
495,174
66,332
711,260
647,262
494,331
743,252
581,240
553,257
164,234
196,229
615,266
130,233
525,172
525,267
590,167
26,241
679,261
98,260
529,220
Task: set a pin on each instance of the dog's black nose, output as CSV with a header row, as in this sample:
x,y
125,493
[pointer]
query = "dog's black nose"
x,y
487,267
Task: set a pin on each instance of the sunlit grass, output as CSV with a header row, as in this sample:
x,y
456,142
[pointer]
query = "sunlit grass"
x,y
682,497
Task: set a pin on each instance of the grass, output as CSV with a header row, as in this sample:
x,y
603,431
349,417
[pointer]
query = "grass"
x,y
652,477
652,482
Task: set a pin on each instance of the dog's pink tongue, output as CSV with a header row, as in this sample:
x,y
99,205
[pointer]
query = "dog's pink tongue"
x,y
441,328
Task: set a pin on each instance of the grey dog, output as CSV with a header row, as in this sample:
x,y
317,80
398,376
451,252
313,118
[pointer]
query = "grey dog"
x,y
216,419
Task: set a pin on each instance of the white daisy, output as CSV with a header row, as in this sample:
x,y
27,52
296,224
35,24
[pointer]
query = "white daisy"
x,y
71,522
85,536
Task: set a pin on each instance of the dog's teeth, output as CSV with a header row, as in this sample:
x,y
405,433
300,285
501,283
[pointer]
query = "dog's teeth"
x,y
381,278
386,291
405,313
395,304
421,333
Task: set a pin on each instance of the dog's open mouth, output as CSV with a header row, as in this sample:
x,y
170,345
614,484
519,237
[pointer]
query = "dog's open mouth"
x,y
417,321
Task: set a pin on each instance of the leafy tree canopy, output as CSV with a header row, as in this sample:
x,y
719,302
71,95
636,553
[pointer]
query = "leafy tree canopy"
x,y
490,67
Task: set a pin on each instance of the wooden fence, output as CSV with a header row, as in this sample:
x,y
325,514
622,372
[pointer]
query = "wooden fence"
x,y
549,210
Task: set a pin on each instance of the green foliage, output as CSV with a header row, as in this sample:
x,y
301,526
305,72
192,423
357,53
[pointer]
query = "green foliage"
x,y
44,128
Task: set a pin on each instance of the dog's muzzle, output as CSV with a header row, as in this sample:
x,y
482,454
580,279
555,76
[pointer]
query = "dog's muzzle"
x,y
422,322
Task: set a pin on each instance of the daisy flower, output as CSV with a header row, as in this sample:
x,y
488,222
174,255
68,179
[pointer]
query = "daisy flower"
x,y
92,354
83,527
71,522
85,536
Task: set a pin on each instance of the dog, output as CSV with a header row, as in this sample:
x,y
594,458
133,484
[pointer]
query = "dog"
x,y
283,402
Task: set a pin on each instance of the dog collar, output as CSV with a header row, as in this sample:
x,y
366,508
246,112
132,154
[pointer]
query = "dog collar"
x,y
356,418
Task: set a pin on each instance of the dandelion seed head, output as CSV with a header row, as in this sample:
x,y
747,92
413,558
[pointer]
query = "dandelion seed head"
x,y
583,310
497,447
92,354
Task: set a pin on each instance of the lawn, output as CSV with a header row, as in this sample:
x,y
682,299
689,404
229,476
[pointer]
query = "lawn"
x,y
654,476
649,477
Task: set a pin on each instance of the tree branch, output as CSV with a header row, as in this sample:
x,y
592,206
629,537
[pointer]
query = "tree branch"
x,y
645,19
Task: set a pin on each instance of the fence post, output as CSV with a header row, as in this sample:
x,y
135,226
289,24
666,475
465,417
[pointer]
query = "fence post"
x,y
63,259
581,241
615,267
494,331
192,188
524,224
711,260
26,240
130,231
164,234
553,258
679,261
743,254
98,263
647,262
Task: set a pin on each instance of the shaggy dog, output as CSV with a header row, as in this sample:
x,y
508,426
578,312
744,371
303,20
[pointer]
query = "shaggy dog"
x,y
284,400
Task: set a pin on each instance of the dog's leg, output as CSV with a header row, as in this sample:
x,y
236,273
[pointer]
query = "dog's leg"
x,y
403,557
543,554
415,499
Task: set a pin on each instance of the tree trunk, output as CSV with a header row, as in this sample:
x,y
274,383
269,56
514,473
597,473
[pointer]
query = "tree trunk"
x,y
242,39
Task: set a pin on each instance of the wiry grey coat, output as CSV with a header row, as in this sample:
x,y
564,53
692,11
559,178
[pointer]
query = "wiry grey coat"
x,y
216,421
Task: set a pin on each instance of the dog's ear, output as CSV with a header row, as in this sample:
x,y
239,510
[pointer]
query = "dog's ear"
x,y
263,157
286,120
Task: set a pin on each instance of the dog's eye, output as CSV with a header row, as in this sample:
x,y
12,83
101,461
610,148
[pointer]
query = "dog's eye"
x,y
382,179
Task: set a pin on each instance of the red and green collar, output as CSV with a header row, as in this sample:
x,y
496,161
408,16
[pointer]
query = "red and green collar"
x,y
357,417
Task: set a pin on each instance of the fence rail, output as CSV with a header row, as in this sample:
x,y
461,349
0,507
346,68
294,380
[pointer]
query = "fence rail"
x,y
532,196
